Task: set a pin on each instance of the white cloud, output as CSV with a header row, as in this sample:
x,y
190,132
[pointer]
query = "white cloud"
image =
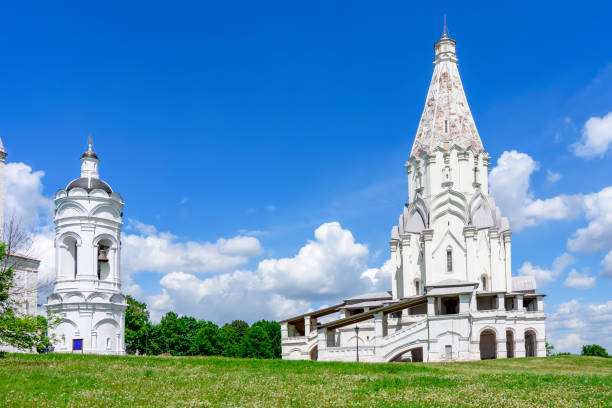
x,y
329,268
575,323
572,342
271,208
606,272
553,177
598,233
163,252
544,276
24,197
561,207
596,138
576,280
509,184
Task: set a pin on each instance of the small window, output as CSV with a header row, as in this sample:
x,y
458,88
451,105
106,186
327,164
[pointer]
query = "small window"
x,y
449,260
446,126
448,352
484,283
417,287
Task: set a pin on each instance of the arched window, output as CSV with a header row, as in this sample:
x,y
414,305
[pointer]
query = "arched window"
x,y
108,343
105,259
69,257
417,287
484,283
449,260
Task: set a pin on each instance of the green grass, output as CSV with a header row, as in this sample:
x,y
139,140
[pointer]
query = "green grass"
x,y
97,381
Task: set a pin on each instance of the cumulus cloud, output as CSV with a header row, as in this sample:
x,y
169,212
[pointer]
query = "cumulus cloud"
x,y
326,269
553,177
575,323
25,202
509,184
155,251
561,207
597,235
24,198
606,272
577,280
545,276
596,138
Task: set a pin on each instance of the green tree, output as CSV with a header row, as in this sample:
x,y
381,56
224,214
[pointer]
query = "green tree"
x,y
273,332
256,343
137,326
549,349
207,340
231,341
594,350
22,331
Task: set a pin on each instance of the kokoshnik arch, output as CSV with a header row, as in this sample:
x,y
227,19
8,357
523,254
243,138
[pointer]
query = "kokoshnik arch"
x,y
453,296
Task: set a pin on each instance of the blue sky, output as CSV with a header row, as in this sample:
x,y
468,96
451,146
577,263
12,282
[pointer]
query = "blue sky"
x,y
271,119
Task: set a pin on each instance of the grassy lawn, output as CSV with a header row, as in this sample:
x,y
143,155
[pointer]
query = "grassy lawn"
x,y
97,381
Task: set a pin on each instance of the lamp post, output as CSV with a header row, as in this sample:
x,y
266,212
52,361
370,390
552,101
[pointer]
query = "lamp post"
x,y
357,335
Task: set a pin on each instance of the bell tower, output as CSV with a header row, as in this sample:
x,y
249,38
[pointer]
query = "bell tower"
x,y
87,292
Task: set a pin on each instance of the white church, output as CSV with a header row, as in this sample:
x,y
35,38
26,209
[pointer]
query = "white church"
x,y
87,289
453,296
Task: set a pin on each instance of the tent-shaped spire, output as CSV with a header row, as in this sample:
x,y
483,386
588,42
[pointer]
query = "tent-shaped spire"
x,y
446,117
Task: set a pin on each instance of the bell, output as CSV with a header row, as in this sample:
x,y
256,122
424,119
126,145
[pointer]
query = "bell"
x,y
102,255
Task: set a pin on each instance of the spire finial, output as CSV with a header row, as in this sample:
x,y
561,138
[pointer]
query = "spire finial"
x,y
90,141
445,33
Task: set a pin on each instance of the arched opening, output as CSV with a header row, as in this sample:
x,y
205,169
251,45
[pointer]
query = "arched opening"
x,y
417,287
414,355
488,349
530,343
104,259
483,283
509,344
69,257
449,259
314,353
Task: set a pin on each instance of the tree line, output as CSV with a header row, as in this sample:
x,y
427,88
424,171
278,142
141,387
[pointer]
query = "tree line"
x,y
187,336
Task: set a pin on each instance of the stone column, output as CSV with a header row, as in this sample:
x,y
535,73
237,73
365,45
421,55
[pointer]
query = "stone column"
x,y
396,285
431,307
306,325
322,343
519,303
501,346
427,238
378,331
284,330
519,342
540,300
495,283
501,305
406,268
464,303
508,263
471,235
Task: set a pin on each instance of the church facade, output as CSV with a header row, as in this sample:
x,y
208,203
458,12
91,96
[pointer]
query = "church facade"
x,y
87,294
453,296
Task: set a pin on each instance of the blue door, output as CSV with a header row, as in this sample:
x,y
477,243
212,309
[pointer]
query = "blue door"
x,y
77,345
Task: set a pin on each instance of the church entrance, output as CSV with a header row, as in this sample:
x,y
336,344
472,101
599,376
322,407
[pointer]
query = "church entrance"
x,y
488,345
509,344
530,343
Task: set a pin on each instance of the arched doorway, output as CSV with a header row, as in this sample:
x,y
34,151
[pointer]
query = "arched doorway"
x,y
488,345
314,353
509,344
530,343
414,355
